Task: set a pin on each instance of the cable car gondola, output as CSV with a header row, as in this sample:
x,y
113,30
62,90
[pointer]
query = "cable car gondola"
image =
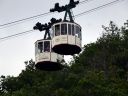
x,y
66,34
66,38
45,58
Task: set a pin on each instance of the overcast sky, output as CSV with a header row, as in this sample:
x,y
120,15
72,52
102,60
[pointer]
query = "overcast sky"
x,y
14,51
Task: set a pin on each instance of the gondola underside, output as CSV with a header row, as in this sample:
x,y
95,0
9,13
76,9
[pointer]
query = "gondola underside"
x,y
66,49
49,66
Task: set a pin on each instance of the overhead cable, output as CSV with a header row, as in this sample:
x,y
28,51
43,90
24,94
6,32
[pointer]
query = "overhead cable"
x,y
15,35
84,1
97,8
83,13
21,20
33,17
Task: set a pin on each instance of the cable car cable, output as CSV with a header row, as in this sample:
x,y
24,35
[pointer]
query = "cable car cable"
x,y
84,1
21,20
83,13
99,7
15,35
32,17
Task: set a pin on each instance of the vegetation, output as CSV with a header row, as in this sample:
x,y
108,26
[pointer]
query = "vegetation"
x,y
101,69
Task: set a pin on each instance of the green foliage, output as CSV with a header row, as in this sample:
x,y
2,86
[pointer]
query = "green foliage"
x,y
100,70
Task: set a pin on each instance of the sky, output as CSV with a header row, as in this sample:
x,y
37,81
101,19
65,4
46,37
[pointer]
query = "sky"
x,y
14,51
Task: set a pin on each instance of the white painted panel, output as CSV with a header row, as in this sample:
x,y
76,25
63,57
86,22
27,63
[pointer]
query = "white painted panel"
x,y
53,57
43,57
60,57
78,42
62,39
71,39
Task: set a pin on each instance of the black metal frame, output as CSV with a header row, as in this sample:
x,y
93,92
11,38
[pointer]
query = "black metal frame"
x,y
66,8
46,27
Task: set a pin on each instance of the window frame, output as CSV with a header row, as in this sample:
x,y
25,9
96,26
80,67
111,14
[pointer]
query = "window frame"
x,y
53,31
73,30
39,48
64,27
59,30
48,49
69,30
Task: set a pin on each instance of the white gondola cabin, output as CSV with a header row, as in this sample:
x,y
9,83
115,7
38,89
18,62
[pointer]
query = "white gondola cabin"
x,y
66,38
45,58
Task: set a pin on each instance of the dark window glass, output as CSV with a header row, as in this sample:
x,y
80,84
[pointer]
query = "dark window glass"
x,y
36,48
53,32
46,46
63,29
69,29
40,46
77,31
79,35
57,30
73,33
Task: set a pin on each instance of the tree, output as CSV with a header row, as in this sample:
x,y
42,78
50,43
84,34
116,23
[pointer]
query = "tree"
x,y
101,69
